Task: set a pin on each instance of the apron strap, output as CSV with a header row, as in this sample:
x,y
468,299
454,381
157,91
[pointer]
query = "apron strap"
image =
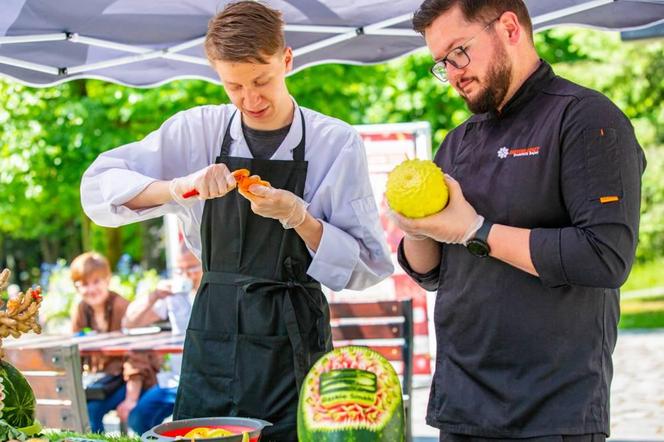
x,y
226,142
264,286
298,152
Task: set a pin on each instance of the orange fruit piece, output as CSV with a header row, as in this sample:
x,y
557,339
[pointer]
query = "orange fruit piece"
x,y
240,174
244,180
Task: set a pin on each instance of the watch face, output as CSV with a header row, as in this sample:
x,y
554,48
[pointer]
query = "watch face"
x,y
478,247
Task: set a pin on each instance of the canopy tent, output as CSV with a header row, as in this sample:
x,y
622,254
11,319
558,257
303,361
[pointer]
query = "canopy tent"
x,y
654,31
149,42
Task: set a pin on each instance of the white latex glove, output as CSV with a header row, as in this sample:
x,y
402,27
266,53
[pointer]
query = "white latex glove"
x,y
213,181
455,224
279,204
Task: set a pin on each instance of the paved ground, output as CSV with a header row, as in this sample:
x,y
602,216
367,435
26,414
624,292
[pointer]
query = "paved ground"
x,y
637,392
637,402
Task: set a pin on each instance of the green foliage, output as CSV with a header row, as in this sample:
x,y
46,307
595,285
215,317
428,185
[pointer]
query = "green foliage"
x,y
48,137
59,300
397,92
645,275
135,284
33,156
651,234
7,432
559,46
630,74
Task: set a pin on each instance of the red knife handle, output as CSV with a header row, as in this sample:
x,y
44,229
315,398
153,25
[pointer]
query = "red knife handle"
x,y
189,194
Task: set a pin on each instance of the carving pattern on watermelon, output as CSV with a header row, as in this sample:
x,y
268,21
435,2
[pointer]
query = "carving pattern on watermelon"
x,y
351,394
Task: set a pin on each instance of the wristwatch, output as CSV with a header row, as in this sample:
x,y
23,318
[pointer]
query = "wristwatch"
x,y
478,245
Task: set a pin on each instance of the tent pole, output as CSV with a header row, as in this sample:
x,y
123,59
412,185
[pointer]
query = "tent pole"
x,y
31,66
33,38
96,42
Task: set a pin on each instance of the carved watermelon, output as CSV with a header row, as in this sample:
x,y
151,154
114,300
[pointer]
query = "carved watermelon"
x,y
352,394
17,401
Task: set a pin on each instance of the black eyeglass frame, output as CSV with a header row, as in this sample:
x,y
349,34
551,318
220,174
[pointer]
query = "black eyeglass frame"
x,y
441,64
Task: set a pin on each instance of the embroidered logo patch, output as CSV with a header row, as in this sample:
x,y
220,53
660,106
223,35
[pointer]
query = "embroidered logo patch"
x,y
505,151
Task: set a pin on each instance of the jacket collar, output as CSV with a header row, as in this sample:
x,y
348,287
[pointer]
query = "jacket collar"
x,y
537,80
284,152
535,83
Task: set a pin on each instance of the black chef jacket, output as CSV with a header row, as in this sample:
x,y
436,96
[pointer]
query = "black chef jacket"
x,y
519,355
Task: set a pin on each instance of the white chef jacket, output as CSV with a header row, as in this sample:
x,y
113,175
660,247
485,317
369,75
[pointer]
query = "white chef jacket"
x,y
352,254
177,309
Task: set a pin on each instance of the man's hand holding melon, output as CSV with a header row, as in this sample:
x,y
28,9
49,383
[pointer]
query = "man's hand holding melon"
x,y
427,204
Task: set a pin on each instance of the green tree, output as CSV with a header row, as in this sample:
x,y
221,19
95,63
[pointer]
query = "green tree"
x,y
48,137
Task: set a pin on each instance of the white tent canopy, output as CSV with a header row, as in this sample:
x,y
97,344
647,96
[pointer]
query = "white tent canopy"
x,y
149,42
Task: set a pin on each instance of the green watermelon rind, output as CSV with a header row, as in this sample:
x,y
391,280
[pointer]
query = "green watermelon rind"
x,y
19,401
393,420
33,429
392,432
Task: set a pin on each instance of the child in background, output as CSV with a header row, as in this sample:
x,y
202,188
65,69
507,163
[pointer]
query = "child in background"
x,y
102,310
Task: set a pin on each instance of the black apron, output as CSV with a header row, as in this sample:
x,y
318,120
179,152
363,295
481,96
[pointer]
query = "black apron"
x,y
258,322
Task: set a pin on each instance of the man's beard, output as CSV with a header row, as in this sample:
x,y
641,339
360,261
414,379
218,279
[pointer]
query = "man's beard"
x,y
497,83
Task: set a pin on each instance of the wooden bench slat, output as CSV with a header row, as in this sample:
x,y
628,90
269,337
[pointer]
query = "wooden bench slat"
x,y
49,387
389,352
46,359
58,417
374,331
366,309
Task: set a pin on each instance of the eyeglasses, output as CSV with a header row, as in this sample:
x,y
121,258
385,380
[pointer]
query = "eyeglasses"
x,y
190,269
457,57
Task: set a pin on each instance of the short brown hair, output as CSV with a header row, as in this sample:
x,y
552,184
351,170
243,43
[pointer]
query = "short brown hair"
x,y
245,31
473,11
87,264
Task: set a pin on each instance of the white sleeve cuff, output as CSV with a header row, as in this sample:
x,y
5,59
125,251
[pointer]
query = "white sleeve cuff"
x,y
336,258
107,209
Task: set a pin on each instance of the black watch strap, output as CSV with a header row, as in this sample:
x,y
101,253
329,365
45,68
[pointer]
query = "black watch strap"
x,y
478,245
483,232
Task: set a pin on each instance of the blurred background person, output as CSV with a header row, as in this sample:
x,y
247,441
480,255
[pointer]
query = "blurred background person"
x,y
102,310
171,300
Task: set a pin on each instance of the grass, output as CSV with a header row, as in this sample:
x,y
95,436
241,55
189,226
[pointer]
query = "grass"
x,y
57,436
642,313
